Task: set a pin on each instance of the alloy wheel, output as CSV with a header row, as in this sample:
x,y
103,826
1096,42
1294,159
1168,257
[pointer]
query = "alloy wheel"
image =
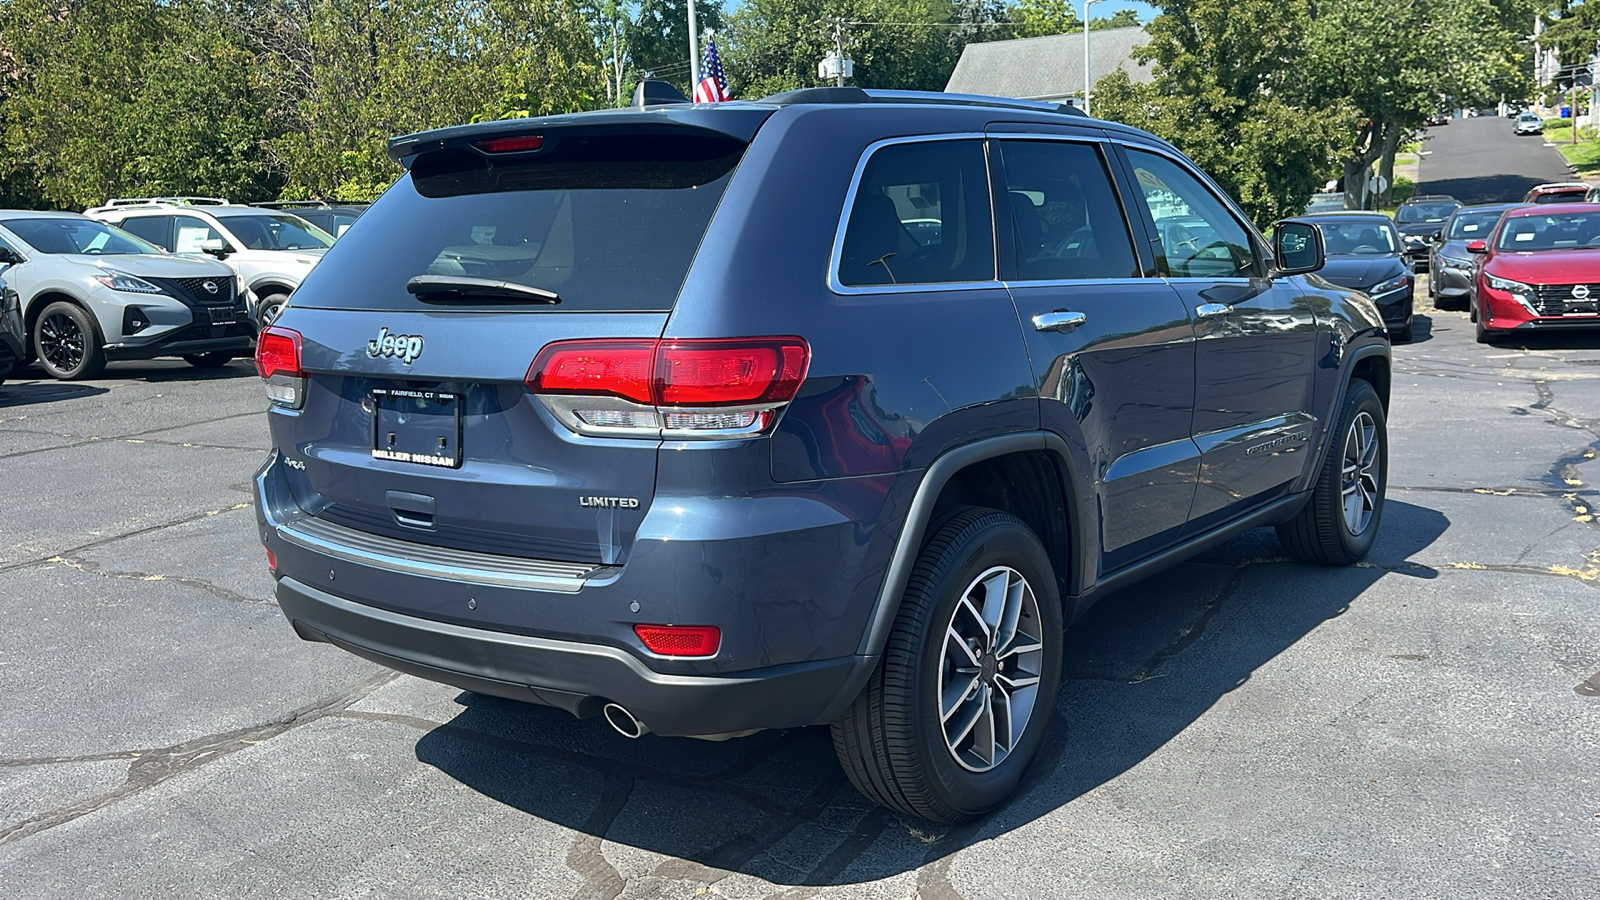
x,y
1359,480
990,666
61,342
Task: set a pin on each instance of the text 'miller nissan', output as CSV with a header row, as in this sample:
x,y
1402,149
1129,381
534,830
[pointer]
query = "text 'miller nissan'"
x,y
717,418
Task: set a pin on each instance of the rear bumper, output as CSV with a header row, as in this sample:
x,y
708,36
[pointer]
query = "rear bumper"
x,y
575,676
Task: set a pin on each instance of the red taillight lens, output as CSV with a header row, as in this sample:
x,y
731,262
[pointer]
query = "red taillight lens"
x,y
278,352
515,144
729,372
680,640
595,369
272,561
714,372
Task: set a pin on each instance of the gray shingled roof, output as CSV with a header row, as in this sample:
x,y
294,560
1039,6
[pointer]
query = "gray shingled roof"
x,y
1046,68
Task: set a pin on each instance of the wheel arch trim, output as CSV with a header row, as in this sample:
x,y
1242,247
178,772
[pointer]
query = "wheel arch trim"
x,y
920,514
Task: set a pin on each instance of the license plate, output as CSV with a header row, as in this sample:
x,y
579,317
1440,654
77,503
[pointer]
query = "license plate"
x,y
422,427
224,316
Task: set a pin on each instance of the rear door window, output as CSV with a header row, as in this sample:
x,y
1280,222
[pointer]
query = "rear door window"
x,y
608,222
1065,219
192,235
155,229
920,216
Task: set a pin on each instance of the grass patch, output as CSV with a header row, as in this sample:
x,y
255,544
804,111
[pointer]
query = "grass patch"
x,y
1584,157
1560,134
1411,147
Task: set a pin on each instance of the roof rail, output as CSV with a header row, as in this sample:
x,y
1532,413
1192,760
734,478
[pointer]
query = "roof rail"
x,y
177,200
293,204
933,98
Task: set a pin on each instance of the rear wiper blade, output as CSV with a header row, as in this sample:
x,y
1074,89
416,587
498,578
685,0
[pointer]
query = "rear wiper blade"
x,y
460,288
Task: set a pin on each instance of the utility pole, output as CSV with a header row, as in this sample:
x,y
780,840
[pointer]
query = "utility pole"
x,y
1088,76
694,51
836,66
838,47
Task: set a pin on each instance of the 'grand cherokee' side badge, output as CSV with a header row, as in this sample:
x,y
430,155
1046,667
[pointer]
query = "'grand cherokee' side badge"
x,y
405,346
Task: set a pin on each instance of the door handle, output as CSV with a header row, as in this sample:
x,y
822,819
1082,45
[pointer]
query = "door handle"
x,y
1207,310
1060,320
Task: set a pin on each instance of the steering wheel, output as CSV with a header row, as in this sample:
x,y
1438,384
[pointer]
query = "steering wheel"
x,y
1079,243
1180,236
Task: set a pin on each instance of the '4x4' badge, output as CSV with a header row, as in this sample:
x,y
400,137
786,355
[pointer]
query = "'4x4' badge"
x,y
405,346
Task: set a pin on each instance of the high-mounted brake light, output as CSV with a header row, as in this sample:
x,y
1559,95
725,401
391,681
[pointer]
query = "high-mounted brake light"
x,y
517,144
278,364
680,640
688,388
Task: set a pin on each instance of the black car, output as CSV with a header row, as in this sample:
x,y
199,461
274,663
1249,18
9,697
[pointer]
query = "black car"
x,y
684,416
334,218
1450,266
1420,220
12,330
1363,250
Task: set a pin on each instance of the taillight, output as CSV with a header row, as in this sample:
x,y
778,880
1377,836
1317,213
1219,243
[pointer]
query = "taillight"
x,y
680,640
705,388
517,144
278,364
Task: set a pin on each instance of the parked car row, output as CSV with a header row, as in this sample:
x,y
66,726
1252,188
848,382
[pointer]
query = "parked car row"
x,y
139,278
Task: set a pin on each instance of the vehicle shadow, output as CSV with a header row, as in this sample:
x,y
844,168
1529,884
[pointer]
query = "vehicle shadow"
x,y
20,393
1142,666
1421,328
1586,339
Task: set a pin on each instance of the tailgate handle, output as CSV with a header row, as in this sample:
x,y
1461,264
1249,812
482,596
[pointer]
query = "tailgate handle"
x,y
411,510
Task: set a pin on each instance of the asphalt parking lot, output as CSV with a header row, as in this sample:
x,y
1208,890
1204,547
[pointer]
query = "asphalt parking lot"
x,y
1424,725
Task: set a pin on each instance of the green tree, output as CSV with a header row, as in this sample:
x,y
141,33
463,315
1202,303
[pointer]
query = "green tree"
x,y
775,45
121,97
659,42
1037,18
1224,93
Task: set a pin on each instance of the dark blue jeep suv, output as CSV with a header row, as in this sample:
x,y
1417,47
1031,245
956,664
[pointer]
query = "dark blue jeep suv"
x,y
831,408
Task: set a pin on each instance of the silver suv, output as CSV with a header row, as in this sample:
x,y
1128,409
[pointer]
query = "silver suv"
x,y
92,293
272,251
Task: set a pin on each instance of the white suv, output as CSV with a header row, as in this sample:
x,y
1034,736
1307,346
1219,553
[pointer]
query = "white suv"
x,y
272,251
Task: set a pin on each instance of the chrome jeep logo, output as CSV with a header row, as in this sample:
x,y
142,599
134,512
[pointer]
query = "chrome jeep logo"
x,y
405,347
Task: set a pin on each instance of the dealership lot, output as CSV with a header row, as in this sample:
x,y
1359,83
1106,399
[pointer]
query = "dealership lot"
x,y
1425,724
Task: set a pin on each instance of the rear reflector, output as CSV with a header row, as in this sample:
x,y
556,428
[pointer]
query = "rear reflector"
x,y
516,144
680,640
272,561
278,351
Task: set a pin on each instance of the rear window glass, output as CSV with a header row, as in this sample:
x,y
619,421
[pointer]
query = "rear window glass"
x,y
608,222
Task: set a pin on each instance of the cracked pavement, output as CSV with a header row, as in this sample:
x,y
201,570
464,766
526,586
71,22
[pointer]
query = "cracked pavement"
x,y
1424,724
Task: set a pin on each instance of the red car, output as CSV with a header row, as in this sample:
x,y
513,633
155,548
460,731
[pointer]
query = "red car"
x,y
1538,271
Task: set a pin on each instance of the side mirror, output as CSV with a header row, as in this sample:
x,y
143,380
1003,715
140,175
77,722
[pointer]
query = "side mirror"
x,y
1298,247
1477,247
10,257
220,252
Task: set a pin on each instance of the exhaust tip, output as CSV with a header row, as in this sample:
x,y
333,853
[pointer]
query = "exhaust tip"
x,y
618,717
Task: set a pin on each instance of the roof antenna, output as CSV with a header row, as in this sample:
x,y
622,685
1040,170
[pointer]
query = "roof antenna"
x,y
655,93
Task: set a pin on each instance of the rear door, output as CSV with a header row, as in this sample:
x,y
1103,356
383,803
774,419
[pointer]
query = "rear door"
x,y
417,423
1113,351
1255,341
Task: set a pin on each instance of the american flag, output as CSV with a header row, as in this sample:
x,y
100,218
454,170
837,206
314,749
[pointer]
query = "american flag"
x,y
713,87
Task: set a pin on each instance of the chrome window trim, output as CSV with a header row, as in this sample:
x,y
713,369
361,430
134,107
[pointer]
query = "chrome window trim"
x,y
834,260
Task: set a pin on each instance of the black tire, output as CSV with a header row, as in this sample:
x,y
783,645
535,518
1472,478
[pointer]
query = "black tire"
x,y
208,360
1322,532
1480,331
892,741
67,342
1404,333
269,308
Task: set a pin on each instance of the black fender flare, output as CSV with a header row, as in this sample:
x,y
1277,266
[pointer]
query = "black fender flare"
x,y
920,513
1347,372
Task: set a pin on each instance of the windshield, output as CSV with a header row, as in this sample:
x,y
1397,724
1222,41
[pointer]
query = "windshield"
x,y
75,236
1551,231
1425,212
1470,226
279,231
1528,117
605,222
1359,238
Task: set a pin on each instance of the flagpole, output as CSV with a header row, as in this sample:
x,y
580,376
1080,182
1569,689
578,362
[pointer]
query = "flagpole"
x,y
694,52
